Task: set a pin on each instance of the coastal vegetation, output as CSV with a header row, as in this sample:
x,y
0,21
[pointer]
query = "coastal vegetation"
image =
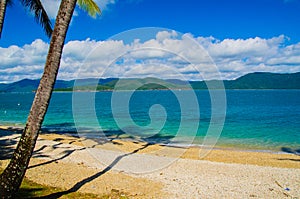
x,y
250,81
30,189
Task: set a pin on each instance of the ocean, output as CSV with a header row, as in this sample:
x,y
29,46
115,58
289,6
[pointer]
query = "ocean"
x,y
254,119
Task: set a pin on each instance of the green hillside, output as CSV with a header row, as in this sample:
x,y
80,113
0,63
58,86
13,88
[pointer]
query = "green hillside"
x,y
258,80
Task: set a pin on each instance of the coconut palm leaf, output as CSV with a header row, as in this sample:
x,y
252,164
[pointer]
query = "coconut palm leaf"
x,y
41,16
89,6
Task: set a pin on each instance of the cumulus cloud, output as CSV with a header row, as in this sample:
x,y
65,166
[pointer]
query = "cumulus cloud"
x,y
29,54
168,55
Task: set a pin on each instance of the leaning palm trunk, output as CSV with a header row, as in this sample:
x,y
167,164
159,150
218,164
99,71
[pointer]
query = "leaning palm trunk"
x,y
11,178
3,4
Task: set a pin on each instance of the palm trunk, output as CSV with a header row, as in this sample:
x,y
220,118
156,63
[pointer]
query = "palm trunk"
x,y
11,178
3,4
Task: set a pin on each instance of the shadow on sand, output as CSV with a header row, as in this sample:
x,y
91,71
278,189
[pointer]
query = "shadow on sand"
x,y
291,151
78,185
7,147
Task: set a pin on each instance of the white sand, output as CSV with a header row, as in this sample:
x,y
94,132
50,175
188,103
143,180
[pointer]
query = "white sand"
x,y
177,178
204,179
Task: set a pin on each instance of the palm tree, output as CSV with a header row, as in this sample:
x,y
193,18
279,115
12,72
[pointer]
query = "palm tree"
x,y
11,178
3,5
34,6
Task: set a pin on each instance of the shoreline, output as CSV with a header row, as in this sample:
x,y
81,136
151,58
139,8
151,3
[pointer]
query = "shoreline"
x,y
223,154
218,146
66,162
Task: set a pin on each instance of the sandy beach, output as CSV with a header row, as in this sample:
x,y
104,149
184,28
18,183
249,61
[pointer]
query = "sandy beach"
x,y
141,170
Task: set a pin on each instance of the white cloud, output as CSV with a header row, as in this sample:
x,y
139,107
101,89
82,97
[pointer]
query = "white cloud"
x,y
244,47
161,36
165,56
34,53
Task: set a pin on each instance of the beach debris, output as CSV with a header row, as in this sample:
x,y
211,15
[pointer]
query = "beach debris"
x,y
278,184
284,189
287,195
115,191
80,163
252,195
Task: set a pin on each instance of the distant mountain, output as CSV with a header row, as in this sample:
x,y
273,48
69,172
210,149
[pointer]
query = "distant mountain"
x,y
258,80
24,85
261,80
29,85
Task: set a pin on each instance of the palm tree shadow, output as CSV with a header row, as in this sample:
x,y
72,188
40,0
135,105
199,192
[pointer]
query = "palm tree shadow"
x,y
78,185
66,154
7,145
290,159
290,150
38,153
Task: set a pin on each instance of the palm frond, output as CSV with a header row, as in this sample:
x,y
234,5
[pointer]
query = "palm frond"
x,y
41,15
90,7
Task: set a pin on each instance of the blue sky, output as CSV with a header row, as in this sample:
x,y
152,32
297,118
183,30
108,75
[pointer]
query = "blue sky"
x,y
254,35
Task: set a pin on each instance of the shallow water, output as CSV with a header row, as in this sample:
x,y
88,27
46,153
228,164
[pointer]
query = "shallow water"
x,y
255,119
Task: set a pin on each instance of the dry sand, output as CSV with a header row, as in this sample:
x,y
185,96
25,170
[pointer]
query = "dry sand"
x,y
153,171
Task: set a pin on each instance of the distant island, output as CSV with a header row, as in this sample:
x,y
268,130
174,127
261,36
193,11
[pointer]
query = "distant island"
x,y
257,80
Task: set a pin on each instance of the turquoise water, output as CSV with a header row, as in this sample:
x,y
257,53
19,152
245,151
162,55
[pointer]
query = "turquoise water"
x,y
255,119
